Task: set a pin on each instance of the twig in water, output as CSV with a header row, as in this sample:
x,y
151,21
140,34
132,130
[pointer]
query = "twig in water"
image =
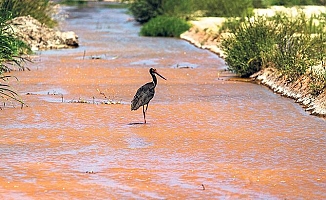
x,y
102,93
203,186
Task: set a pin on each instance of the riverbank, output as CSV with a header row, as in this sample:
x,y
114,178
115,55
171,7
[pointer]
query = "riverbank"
x,y
40,37
204,34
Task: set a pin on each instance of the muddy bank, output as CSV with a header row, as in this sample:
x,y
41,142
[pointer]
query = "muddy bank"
x,y
299,90
204,34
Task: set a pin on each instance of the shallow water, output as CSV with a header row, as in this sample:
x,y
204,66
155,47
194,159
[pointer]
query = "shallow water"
x,y
207,137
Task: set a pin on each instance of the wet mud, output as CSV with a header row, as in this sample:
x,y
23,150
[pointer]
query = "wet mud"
x,y
207,137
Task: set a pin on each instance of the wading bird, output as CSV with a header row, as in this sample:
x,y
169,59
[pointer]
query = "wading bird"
x,y
145,93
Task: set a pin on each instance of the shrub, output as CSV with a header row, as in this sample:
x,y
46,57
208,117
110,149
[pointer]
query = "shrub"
x,y
38,9
260,3
295,2
318,81
250,46
74,2
165,26
288,44
10,49
184,9
10,46
294,50
226,8
144,10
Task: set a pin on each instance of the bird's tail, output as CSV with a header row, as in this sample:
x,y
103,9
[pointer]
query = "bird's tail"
x,y
135,104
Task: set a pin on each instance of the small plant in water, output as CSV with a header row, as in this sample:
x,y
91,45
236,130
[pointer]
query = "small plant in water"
x,y
7,94
106,100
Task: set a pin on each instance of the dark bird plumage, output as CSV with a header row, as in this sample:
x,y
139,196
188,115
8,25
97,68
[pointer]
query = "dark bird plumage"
x,y
145,93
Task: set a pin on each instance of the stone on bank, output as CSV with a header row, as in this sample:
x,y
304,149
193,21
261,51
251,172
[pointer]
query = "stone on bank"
x,y
40,37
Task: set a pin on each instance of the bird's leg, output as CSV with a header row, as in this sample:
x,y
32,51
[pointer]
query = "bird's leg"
x,y
144,113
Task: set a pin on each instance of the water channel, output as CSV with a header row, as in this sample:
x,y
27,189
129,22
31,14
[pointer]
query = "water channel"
x,y
207,137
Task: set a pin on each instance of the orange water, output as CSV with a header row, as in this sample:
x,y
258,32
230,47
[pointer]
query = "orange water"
x,y
206,138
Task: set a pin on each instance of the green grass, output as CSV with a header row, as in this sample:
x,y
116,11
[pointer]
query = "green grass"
x,y
293,2
249,48
11,48
10,51
38,9
164,26
74,2
116,5
290,44
6,92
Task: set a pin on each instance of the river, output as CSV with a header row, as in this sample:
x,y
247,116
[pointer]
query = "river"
x,y
207,136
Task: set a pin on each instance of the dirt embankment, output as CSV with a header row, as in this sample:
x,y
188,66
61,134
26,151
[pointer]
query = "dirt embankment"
x,y
204,34
300,90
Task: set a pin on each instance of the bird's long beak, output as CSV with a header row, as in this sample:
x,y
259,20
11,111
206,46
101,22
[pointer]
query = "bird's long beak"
x,y
160,75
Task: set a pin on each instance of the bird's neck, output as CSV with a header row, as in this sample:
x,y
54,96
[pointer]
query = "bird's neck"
x,y
154,80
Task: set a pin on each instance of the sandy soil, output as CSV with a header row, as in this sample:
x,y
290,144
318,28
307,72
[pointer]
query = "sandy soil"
x,y
204,34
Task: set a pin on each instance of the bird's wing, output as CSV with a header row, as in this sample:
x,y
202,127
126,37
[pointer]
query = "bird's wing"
x,y
143,95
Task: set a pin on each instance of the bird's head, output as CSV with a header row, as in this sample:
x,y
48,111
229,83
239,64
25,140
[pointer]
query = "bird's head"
x,y
154,71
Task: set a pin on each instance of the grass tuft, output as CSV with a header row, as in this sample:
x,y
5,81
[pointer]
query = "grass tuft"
x,y
164,26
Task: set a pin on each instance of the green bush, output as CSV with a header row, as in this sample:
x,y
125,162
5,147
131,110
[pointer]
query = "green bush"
x,y
10,50
300,43
10,46
184,9
226,8
295,2
144,10
38,9
249,48
318,82
164,26
288,44
74,2
260,3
